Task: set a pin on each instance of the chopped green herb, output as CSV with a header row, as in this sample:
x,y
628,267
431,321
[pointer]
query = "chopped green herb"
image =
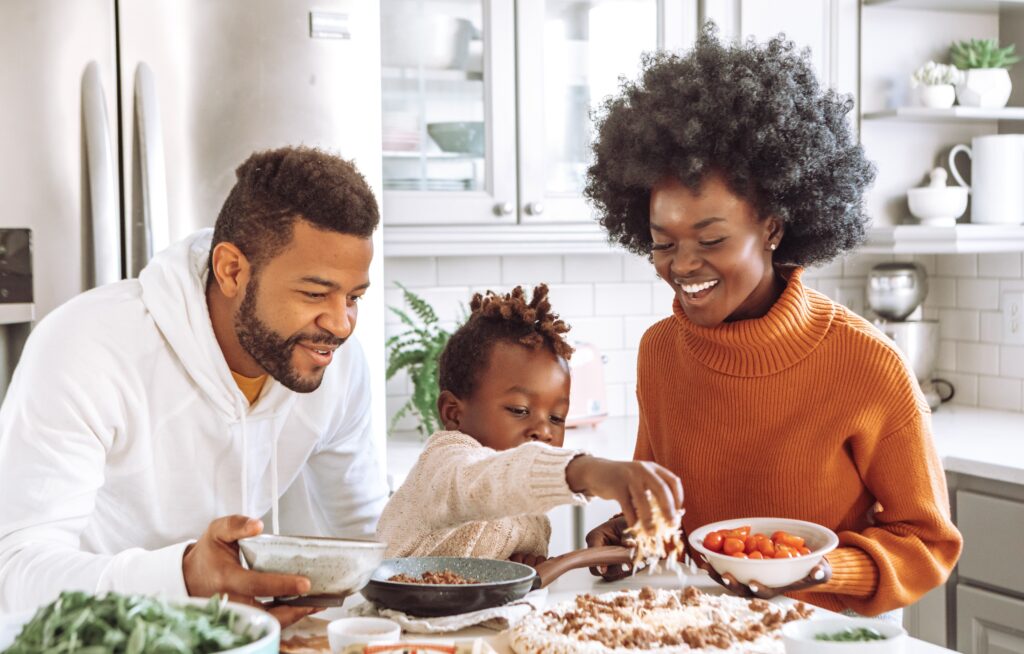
x,y
128,624
852,635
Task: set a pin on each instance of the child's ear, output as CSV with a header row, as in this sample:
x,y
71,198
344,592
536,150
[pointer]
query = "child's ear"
x,y
450,409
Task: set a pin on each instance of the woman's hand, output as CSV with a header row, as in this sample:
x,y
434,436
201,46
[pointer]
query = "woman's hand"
x,y
612,532
819,574
635,485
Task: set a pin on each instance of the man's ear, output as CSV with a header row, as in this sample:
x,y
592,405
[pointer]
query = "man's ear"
x,y
231,269
449,408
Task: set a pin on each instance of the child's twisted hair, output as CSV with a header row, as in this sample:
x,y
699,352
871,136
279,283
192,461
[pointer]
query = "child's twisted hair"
x,y
500,317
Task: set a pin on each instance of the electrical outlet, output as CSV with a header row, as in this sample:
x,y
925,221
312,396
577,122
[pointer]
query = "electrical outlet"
x,y
1013,317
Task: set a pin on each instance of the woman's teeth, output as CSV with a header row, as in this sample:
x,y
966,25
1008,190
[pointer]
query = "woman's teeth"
x,y
697,288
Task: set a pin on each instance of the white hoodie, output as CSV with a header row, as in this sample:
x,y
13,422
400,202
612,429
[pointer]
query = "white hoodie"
x,y
123,435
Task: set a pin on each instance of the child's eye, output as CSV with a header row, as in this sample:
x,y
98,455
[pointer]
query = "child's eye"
x,y
558,420
517,410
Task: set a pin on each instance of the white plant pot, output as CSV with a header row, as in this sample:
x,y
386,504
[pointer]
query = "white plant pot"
x,y
987,88
940,96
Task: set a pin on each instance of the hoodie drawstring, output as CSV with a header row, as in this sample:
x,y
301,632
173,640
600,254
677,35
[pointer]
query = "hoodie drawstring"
x,y
275,521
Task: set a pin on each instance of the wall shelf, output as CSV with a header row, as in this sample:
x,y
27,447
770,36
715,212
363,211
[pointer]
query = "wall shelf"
x,y
15,312
951,114
918,239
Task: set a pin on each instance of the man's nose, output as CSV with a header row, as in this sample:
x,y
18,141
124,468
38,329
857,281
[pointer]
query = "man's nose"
x,y
339,319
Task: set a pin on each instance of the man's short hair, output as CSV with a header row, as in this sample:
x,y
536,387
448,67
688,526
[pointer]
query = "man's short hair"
x,y
277,187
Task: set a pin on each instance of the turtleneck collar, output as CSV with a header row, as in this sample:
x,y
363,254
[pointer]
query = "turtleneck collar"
x,y
790,331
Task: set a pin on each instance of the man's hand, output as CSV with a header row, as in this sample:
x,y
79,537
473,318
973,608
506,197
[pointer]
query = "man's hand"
x,y
211,566
628,482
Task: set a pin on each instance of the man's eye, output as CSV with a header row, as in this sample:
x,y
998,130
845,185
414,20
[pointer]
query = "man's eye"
x,y
355,298
315,296
517,410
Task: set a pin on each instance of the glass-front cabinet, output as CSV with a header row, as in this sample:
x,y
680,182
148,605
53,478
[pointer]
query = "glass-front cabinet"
x,y
487,104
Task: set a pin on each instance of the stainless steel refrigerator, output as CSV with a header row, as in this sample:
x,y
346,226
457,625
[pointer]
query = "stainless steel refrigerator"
x,y
122,121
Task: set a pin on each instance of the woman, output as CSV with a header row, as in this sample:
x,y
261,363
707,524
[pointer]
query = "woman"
x,y
731,169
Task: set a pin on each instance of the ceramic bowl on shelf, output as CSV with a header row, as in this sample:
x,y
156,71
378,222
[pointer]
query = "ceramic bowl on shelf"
x,y
466,137
937,205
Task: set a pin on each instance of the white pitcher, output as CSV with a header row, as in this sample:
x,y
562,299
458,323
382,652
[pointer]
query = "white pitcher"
x,y
997,170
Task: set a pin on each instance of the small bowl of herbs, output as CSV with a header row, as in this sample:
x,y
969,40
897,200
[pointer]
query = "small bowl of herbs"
x,y
836,635
138,624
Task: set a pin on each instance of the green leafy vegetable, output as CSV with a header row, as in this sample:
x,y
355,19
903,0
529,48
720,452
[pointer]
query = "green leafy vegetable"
x,y
852,635
128,624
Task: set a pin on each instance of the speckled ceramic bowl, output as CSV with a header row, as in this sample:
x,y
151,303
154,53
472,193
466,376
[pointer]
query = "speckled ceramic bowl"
x,y
335,567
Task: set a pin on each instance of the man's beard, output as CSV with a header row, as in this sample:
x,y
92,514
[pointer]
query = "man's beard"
x,y
273,353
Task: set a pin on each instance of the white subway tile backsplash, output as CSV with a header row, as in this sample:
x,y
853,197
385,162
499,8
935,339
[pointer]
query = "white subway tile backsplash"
x,y
620,366
956,265
966,387
978,358
999,264
833,268
449,302
662,296
637,325
468,271
999,393
392,298
941,293
531,269
947,355
622,299
1011,361
591,268
959,325
991,327
411,272
617,399
977,294
399,384
926,260
408,422
603,333
638,269
857,266
572,300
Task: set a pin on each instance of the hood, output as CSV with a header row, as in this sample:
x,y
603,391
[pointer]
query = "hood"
x,y
174,292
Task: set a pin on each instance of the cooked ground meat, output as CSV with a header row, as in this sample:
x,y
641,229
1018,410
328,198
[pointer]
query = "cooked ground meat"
x,y
443,577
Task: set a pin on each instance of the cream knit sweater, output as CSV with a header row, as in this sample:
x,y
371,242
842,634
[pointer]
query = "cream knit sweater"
x,y
464,499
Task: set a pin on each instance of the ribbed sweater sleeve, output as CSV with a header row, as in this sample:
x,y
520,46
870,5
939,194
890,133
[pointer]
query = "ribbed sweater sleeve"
x,y
457,481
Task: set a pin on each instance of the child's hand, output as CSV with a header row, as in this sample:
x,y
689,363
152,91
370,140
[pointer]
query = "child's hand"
x,y
628,482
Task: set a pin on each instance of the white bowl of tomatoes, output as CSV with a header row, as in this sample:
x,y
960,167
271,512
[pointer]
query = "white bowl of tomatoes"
x,y
774,552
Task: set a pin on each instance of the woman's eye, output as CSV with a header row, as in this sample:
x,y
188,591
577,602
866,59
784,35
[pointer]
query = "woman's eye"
x,y
658,247
517,410
712,243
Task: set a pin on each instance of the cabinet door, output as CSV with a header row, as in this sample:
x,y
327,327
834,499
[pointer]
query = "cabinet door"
x,y
988,623
571,54
448,111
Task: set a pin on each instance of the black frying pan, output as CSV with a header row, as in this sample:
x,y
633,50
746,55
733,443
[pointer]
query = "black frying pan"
x,y
501,582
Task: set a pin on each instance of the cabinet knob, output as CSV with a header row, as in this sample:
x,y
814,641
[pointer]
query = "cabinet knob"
x,y
503,209
535,208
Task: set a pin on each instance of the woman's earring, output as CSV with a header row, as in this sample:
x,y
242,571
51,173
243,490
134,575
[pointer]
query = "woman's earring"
x,y
771,247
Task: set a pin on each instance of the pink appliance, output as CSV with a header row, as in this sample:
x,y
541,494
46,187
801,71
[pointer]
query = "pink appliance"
x,y
588,399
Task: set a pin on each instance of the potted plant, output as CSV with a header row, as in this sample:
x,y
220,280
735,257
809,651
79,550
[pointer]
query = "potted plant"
x,y
986,82
934,83
417,350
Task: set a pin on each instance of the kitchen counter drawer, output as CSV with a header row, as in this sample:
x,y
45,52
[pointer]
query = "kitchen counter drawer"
x,y
993,530
988,623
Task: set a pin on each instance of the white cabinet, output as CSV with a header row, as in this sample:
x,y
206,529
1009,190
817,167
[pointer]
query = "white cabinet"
x,y
988,623
486,103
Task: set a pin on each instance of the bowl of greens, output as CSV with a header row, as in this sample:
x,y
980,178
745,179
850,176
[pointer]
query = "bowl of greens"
x,y
138,624
836,635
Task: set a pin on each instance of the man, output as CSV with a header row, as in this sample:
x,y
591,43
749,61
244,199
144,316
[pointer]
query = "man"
x,y
219,379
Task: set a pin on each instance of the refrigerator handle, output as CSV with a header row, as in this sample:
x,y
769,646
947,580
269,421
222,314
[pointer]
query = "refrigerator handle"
x,y
151,229
104,205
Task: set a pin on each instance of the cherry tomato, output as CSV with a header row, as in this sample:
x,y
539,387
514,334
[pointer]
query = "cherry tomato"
x,y
739,555
787,539
732,546
766,547
713,541
750,543
803,550
738,532
755,555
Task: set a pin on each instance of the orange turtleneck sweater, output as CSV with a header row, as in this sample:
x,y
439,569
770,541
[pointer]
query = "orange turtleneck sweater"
x,y
808,412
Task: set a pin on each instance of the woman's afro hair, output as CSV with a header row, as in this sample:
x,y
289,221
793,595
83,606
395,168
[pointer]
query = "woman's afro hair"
x,y
752,113
498,317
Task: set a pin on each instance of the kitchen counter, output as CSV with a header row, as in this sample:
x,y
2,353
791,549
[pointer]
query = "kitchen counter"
x,y
980,442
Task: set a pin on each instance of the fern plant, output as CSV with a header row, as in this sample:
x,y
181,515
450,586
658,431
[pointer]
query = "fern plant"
x,y
418,350
981,53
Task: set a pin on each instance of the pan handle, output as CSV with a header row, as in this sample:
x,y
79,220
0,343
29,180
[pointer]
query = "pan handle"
x,y
555,567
